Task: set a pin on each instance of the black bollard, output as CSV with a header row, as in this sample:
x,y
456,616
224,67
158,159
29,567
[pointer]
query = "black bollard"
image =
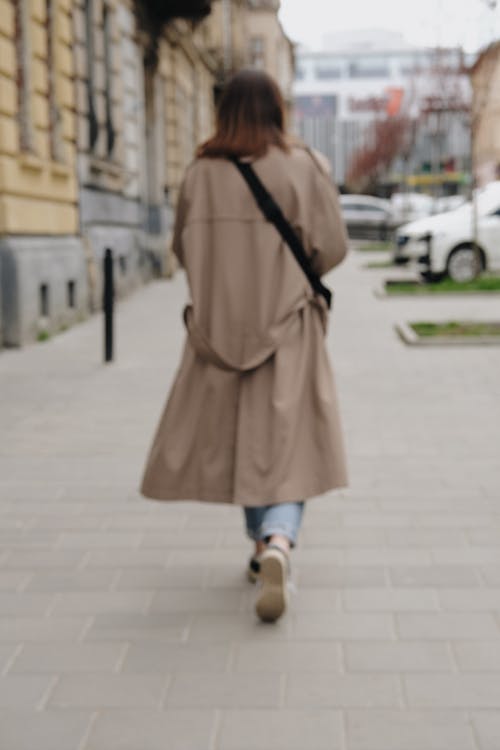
x,y
107,304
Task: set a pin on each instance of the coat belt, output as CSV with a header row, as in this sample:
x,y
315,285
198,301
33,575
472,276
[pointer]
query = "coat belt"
x,y
270,342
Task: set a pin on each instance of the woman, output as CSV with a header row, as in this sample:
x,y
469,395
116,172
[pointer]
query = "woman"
x,y
252,417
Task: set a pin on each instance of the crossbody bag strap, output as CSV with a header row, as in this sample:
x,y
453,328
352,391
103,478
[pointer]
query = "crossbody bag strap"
x,y
274,214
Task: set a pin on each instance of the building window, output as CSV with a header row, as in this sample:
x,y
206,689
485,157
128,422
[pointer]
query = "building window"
x,y
71,294
257,52
369,69
327,72
44,301
108,72
55,116
93,124
24,86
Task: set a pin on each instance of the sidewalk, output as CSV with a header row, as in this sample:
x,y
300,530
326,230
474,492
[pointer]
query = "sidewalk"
x,y
126,624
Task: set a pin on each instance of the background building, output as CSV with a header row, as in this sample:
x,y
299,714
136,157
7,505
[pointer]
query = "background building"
x,y
372,76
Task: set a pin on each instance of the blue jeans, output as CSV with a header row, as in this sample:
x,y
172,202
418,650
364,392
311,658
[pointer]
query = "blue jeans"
x,y
283,518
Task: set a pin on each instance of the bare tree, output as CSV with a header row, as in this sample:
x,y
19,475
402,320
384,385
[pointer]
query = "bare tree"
x,y
371,163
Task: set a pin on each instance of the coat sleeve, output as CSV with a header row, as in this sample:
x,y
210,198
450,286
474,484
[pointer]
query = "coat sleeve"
x,y
180,221
328,235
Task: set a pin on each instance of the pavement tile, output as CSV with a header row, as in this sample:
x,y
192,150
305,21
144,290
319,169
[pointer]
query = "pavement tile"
x,y
447,625
176,658
310,600
465,691
383,729
490,574
7,651
101,602
194,539
68,657
436,576
344,625
467,555
98,539
485,537
219,691
13,580
54,730
470,600
130,558
101,690
342,691
24,603
16,629
136,729
389,600
398,656
386,556
196,601
281,730
335,537
487,727
134,627
22,691
43,558
299,657
154,578
211,628
472,656
425,537
339,576
72,580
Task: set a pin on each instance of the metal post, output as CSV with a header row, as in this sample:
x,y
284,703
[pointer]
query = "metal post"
x,y
108,304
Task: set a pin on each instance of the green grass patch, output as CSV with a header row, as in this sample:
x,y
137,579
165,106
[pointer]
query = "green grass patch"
x,y
482,284
379,264
43,336
456,328
374,246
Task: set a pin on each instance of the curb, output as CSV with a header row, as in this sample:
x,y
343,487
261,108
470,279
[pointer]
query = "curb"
x,y
381,292
410,338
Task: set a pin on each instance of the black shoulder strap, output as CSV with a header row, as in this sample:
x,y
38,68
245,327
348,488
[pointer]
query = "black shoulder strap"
x,y
274,214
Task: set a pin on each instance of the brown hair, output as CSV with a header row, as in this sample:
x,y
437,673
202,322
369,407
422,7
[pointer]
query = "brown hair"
x,y
250,117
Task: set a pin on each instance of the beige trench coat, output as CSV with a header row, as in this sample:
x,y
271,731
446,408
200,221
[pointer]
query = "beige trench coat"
x,y
252,417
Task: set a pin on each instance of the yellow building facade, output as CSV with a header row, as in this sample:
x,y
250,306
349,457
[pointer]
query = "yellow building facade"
x,y
38,187
102,105
38,183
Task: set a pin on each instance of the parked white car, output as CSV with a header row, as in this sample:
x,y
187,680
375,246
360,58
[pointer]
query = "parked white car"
x,y
444,244
448,203
366,214
411,206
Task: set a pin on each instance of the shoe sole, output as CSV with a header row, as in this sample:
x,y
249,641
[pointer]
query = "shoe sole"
x,y
273,599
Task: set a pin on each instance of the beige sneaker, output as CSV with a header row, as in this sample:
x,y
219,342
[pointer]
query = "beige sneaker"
x,y
273,579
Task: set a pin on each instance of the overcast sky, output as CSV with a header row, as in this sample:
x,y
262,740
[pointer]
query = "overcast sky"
x,y
466,23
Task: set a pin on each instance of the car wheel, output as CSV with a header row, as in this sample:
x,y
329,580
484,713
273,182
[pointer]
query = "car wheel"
x,y
464,264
